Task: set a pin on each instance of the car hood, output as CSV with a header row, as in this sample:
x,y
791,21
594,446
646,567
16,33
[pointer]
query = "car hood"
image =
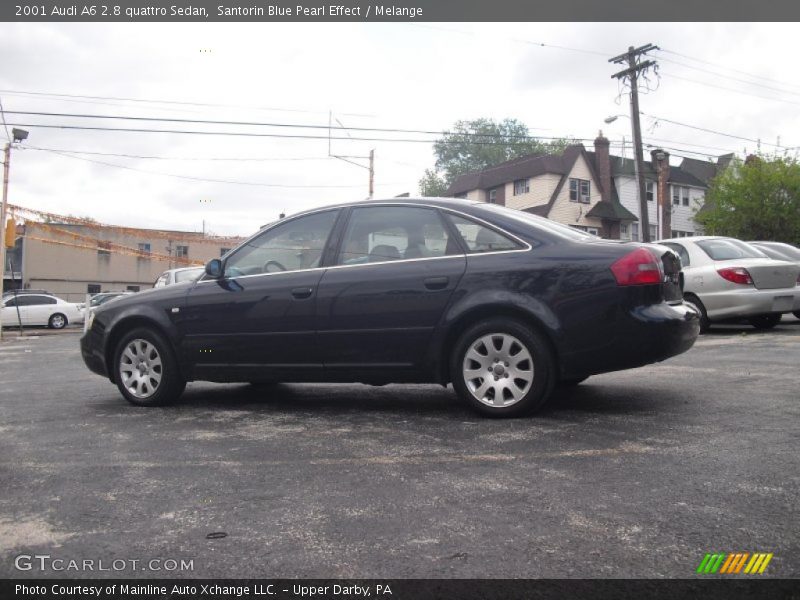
x,y
170,292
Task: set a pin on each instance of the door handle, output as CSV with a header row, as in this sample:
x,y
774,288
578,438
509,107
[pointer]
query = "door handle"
x,y
302,293
436,283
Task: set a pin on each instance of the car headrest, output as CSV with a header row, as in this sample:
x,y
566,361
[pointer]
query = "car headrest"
x,y
384,252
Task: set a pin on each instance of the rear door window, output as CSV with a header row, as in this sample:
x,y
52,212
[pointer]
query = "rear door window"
x,y
478,238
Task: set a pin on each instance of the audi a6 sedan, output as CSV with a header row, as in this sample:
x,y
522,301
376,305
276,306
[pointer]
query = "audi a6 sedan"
x,y
503,304
725,279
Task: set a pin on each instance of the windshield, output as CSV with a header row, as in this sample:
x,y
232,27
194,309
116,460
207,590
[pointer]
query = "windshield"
x,y
542,223
729,249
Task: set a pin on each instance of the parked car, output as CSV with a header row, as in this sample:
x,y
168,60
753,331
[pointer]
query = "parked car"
x,y
502,303
40,309
726,279
173,276
780,251
103,297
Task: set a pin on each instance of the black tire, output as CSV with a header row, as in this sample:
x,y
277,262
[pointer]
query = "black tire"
x,y
57,321
695,303
532,395
572,382
764,322
171,383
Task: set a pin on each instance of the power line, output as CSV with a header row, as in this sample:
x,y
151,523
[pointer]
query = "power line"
x,y
272,124
729,89
713,64
183,158
705,130
203,179
278,135
723,76
176,102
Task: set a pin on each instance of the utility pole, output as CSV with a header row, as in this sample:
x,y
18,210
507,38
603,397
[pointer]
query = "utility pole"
x,y
6,165
371,173
635,66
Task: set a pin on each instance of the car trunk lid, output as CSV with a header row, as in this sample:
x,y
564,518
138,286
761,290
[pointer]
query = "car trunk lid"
x,y
767,274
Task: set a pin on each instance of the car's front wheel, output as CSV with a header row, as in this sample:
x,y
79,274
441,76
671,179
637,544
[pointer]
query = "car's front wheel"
x,y
146,369
57,321
502,368
765,321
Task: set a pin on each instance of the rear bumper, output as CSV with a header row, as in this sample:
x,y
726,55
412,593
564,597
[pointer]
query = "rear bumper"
x,y
645,335
749,302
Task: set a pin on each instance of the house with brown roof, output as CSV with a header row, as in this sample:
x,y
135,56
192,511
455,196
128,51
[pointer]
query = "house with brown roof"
x,y
593,191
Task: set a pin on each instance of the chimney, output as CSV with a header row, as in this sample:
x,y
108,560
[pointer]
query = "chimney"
x,y
602,162
660,161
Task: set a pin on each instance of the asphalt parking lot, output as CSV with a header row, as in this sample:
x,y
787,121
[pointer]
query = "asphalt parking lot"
x,y
632,474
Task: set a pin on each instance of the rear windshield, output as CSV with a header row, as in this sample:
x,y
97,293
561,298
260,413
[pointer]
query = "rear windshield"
x,y
790,251
728,249
187,275
542,223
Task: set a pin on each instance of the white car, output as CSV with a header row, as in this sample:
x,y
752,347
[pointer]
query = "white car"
x,y
178,276
39,309
725,278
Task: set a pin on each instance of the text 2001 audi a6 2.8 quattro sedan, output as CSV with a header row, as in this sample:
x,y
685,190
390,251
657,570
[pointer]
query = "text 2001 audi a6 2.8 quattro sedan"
x,y
503,304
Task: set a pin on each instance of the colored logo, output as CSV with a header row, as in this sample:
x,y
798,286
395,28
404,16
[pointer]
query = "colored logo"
x,y
735,563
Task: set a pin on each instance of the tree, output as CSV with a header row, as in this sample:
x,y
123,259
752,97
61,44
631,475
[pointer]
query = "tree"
x,y
758,199
478,144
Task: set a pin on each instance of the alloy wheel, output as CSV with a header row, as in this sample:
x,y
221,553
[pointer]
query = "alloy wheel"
x,y
140,368
498,370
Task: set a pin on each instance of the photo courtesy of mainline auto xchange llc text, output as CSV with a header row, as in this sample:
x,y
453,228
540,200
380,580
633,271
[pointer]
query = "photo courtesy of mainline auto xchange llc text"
x,y
418,300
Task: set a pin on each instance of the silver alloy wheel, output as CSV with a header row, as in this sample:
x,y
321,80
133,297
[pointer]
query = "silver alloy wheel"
x,y
140,368
57,321
498,370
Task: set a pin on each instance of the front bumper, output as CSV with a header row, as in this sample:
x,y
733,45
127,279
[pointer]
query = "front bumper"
x,y
748,302
92,352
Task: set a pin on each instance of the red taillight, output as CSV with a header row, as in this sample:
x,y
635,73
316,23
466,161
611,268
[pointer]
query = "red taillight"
x,y
736,275
639,267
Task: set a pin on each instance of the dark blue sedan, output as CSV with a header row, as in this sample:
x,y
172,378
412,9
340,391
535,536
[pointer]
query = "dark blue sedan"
x,y
503,304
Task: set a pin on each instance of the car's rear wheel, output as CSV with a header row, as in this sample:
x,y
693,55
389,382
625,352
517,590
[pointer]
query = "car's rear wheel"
x,y
695,303
765,321
502,368
57,321
146,370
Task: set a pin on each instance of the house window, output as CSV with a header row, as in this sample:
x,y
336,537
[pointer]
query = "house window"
x,y
181,251
635,232
685,196
103,249
653,232
624,231
223,251
522,186
462,195
133,288
144,249
649,189
493,196
93,288
679,234
676,195
579,190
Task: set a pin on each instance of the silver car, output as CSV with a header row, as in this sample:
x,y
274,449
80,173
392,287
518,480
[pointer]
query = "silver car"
x,y
726,279
174,276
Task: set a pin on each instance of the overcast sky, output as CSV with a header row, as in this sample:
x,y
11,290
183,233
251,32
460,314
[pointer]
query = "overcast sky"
x,y
404,76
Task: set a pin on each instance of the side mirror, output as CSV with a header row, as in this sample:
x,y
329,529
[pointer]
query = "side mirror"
x,y
214,268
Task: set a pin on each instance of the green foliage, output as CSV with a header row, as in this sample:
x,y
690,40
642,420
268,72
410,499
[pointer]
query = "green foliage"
x,y
755,200
478,144
432,184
